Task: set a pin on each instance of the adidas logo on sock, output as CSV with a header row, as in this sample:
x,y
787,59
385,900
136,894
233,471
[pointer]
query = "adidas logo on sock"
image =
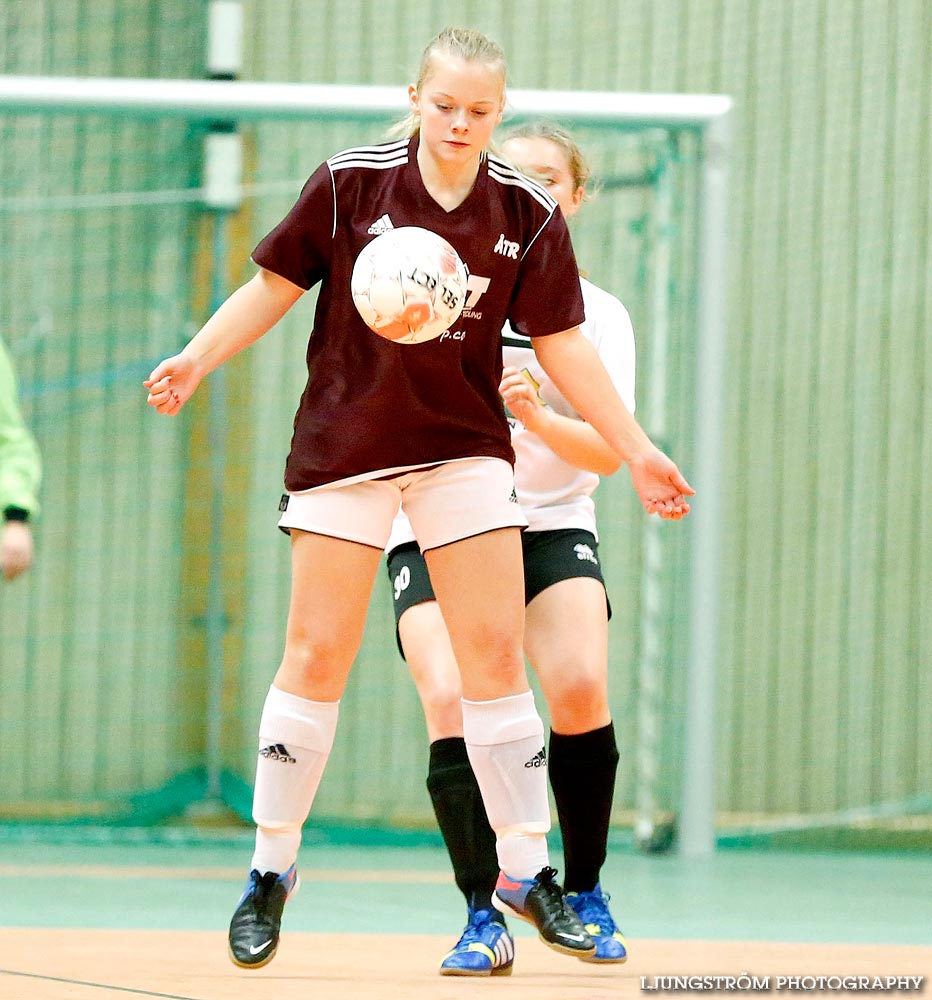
x,y
538,760
381,225
277,752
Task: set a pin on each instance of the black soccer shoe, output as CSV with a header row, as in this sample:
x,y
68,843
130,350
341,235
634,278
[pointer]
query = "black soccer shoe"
x,y
540,901
257,921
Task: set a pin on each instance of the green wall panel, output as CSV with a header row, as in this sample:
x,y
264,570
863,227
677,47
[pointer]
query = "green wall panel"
x,y
95,286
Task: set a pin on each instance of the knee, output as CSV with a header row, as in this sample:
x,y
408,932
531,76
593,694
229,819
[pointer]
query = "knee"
x,y
318,654
492,652
580,703
443,709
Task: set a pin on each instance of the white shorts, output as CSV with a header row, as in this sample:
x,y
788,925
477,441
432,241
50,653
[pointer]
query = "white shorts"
x,y
444,504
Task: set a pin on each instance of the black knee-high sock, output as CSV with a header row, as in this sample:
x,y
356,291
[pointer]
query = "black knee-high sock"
x,y
461,815
582,775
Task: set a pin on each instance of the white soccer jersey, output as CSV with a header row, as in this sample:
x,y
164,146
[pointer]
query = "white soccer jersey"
x,y
552,493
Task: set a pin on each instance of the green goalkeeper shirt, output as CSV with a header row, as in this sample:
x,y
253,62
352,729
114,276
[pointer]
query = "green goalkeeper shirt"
x,y
20,465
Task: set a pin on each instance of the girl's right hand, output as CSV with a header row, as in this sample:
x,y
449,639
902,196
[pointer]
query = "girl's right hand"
x,y
172,384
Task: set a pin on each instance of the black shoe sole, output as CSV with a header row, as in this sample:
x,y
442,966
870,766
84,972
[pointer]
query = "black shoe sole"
x,y
261,964
504,906
580,953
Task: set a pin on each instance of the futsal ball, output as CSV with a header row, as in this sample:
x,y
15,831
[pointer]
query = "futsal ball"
x,y
409,285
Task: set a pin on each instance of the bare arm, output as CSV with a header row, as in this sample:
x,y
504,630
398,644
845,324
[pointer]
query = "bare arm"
x,y
573,440
573,364
251,311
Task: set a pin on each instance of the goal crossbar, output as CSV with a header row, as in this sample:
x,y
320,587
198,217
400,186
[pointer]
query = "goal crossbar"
x,y
244,100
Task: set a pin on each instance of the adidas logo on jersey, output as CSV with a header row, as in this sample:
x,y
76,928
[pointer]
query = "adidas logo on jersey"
x,y
381,225
585,553
506,248
538,760
277,752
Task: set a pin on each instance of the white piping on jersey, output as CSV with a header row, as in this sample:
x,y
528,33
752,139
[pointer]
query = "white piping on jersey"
x,y
505,174
333,184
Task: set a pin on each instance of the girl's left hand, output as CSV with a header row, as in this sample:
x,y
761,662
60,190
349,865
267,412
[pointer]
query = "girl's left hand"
x,y
521,397
660,486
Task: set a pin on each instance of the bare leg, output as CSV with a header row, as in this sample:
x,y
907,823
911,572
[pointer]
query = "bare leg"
x,y
299,717
479,583
566,641
429,655
330,586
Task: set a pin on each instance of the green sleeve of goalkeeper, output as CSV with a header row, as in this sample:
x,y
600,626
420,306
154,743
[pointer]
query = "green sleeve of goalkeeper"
x,y
20,465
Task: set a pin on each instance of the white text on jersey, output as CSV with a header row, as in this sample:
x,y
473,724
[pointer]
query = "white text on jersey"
x,y
506,248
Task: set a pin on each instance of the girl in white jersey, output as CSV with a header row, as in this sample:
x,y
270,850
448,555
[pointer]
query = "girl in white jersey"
x,y
421,425
559,459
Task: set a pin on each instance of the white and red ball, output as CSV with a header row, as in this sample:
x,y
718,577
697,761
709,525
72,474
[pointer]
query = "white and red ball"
x,y
409,285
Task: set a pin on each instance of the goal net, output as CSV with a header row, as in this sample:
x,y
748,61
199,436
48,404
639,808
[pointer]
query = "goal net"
x,y
136,654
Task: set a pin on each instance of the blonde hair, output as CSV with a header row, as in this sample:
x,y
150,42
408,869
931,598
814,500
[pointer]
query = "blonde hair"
x,y
469,45
580,170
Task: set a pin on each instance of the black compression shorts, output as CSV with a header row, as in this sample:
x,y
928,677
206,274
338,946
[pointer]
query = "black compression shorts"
x,y
549,557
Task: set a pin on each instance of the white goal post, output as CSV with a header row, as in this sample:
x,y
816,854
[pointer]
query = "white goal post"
x,y
709,116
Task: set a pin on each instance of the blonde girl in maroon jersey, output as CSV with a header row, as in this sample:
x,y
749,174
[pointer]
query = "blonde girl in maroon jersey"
x,y
381,423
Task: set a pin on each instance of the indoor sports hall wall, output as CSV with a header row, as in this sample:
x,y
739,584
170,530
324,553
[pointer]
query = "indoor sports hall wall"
x,y
91,286
824,704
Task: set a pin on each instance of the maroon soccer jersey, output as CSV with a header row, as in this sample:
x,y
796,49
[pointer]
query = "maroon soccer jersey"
x,y
372,406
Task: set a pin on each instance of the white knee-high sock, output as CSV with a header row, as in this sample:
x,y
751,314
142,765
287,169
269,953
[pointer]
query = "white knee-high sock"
x,y
295,737
505,743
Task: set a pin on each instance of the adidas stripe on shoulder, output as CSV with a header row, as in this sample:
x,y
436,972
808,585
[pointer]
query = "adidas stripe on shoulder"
x,y
381,157
505,173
